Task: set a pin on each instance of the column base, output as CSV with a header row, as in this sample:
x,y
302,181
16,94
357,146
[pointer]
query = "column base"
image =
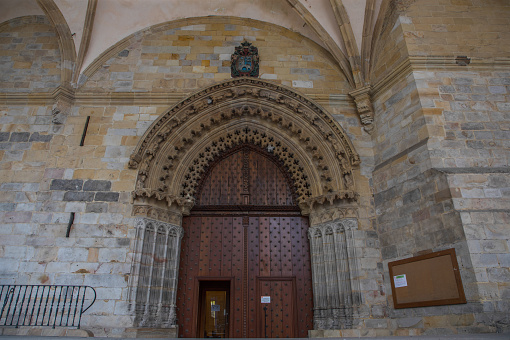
x,y
171,332
333,333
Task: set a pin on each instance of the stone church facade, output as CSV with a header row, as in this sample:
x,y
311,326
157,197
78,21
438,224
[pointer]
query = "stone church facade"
x,y
131,161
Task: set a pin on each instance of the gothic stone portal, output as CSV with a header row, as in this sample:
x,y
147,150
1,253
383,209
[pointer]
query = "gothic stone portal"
x,y
249,171
246,230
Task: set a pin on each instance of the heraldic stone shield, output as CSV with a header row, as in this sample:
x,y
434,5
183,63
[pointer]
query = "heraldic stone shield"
x,y
245,61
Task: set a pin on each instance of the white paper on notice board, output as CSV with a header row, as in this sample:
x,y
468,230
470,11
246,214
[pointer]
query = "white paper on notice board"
x,y
400,280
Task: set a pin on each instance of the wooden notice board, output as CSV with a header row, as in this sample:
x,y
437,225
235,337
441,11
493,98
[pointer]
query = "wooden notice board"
x,y
427,280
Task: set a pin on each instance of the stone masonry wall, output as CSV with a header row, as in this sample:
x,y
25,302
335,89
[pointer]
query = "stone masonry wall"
x,y
29,56
468,119
442,160
472,28
182,59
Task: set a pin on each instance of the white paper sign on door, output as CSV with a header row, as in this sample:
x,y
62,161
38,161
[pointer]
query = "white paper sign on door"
x,y
265,299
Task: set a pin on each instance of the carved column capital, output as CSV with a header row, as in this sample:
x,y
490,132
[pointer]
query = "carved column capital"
x,y
64,100
364,105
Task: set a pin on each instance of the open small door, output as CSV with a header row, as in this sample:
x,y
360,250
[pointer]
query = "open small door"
x,y
214,309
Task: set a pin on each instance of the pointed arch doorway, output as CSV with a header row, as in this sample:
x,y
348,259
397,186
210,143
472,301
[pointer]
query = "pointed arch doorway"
x,y
245,238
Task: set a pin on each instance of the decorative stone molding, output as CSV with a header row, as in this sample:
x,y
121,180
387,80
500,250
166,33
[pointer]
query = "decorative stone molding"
x,y
177,148
64,99
325,212
155,269
159,214
335,271
364,105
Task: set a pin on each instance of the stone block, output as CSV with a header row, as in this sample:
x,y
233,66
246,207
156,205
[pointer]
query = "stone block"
x,y
18,217
105,280
7,206
494,246
157,332
410,322
112,255
88,218
79,196
72,254
97,185
36,137
504,260
499,275
96,207
4,136
376,323
19,137
107,196
411,197
65,184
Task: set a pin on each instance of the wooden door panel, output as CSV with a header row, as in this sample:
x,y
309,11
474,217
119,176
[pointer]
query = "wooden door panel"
x,y
279,320
254,256
225,240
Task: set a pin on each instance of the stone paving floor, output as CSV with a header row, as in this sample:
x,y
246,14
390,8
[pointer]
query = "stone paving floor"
x,y
492,336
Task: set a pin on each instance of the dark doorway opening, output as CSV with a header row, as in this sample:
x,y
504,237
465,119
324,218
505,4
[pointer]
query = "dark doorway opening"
x,y
214,309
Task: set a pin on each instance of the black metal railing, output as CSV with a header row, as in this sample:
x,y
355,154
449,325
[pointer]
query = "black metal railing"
x,y
44,305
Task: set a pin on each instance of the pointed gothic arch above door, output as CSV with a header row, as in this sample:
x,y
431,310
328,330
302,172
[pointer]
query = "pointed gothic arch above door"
x,y
178,147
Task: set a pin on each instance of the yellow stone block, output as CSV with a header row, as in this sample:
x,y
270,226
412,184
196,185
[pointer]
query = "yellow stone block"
x,y
129,140
40,146
432,111
128,175
119,68
22,64
31,176
49,65
110,175
123,186
35,156
93,255
84,174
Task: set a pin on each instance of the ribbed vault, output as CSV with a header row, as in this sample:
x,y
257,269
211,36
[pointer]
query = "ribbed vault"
x,y
178,147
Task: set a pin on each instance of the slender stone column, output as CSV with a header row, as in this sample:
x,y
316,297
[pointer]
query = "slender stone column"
x,y
156,266
335,274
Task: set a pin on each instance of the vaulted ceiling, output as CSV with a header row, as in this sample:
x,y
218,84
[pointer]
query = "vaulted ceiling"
x,y
89,27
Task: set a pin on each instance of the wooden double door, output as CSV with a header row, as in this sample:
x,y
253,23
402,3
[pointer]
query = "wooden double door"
x,y
242,248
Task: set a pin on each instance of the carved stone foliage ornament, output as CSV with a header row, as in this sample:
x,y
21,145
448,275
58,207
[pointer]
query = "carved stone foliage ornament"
x,y
245,61
364,105
64,99
177,149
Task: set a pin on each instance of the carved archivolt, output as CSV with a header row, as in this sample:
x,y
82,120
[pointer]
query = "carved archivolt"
x,y
176,150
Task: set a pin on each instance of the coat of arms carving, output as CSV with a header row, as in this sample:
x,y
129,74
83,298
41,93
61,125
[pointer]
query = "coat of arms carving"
x,y
245,61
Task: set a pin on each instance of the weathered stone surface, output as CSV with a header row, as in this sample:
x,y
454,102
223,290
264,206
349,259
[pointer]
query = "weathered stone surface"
x,y
94,185
66,184
107,196
79,196
96,207
19,137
